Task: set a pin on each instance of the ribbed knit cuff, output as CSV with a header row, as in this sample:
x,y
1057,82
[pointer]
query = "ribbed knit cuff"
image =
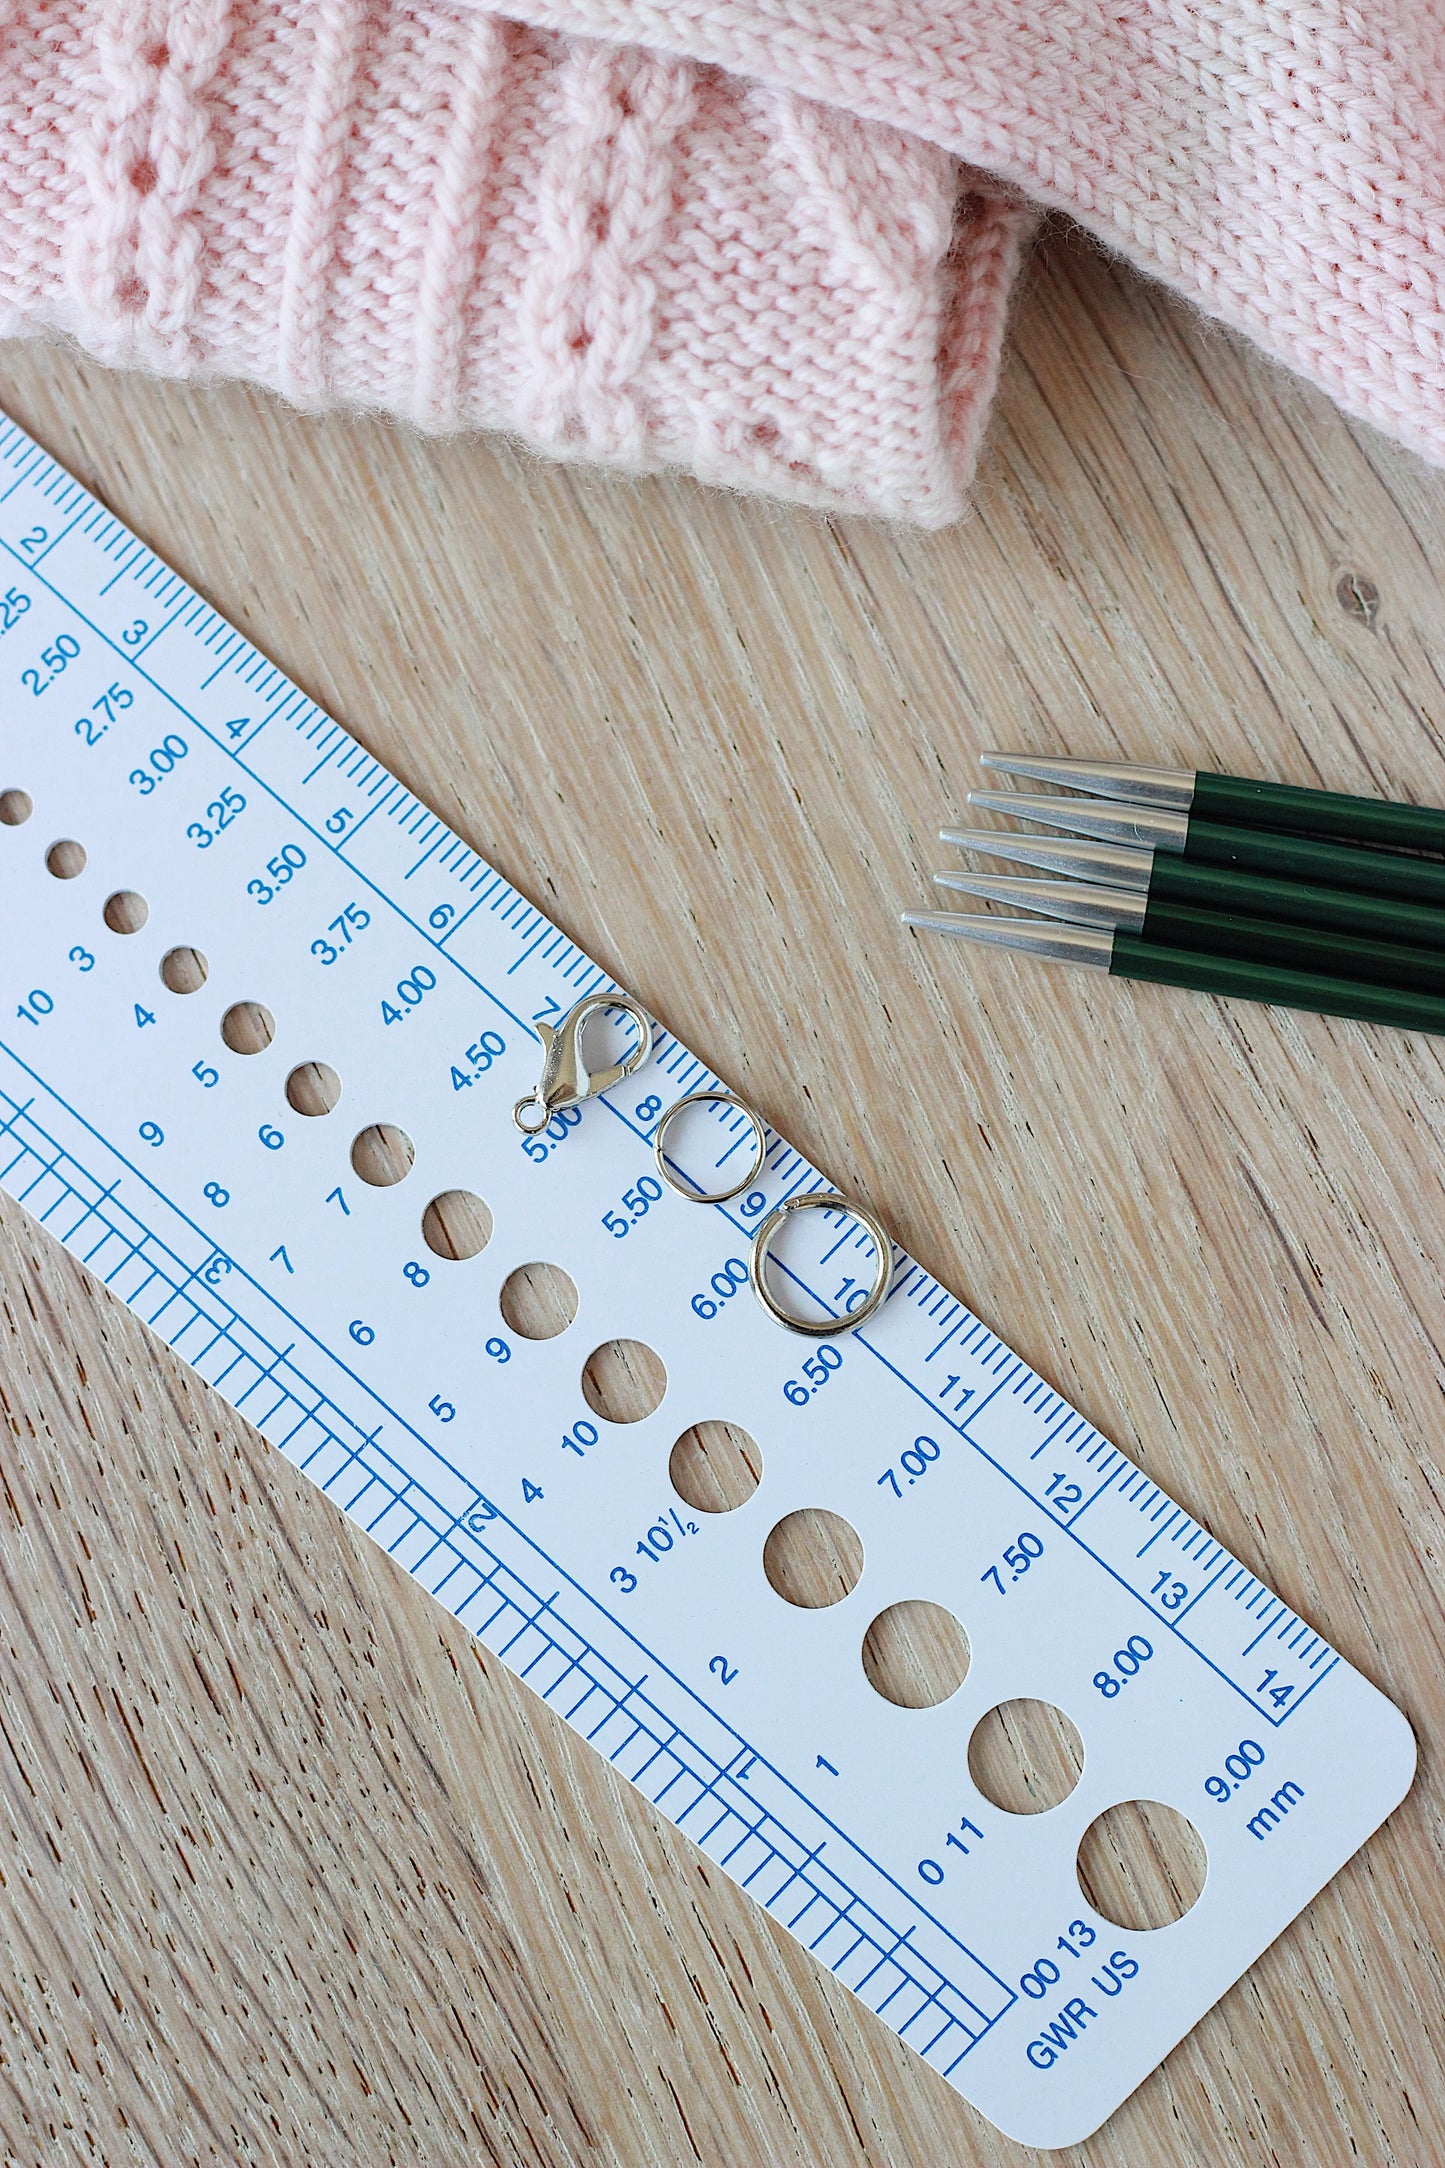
x,y
472,224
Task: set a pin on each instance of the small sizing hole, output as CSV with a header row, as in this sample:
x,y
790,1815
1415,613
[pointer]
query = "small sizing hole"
x,y
813,1558
623,1380
248,1028
125,911
383,1154
16,807
1025,1756
715,1466
1141,1864
538,1301
915,1654
458,1224
65,859
313,1087
184,970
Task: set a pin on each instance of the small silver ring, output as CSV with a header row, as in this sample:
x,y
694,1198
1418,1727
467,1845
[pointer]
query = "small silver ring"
x,y
714,1099
820,1200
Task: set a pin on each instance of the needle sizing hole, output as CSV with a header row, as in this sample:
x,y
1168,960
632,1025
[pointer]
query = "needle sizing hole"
x,y
16,807
538,1300
1142,1864
125,911
184,970
382,1154
813,1558
313,1088
915,1654
457,1225
65,859
1025,1756
248,1028
715,1466
623,1381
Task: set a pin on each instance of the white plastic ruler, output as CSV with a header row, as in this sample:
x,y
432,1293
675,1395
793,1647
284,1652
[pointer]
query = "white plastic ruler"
x,y
144,727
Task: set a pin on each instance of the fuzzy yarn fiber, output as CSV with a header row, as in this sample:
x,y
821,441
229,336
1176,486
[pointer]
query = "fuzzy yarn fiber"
x,y
769,241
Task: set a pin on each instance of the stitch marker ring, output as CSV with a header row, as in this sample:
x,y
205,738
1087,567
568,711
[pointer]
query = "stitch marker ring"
x,y
820,1200
713,1099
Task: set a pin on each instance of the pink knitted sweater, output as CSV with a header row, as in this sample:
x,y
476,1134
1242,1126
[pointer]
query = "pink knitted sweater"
x,y
753,238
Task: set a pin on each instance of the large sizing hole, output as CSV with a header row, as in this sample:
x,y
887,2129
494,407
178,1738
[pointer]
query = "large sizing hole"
x,y
313,1088
16,807
813,1558
538,1301
125,911
184,970
383,1154
715,1466
623,1381
65,859
915,1654
1025,1756
457,1225
248,1028
1141,1864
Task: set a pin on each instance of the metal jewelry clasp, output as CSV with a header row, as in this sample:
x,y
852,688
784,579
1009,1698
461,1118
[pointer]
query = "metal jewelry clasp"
x,y
566,1080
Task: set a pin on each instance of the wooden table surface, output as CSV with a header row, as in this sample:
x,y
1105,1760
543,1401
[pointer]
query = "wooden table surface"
x,y
290,1872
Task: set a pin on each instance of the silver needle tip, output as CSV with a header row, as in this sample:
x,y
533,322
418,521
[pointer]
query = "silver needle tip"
x,y
1110,862
1168,789
1051,944
1078,901
1135,825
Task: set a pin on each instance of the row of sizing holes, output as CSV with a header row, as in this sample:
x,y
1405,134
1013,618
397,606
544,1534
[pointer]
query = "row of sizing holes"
x,y
622,1381
537,1300
182,970
1140,1864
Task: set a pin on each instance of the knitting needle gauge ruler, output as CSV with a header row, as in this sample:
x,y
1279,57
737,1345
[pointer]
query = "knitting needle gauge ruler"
x,y
143,728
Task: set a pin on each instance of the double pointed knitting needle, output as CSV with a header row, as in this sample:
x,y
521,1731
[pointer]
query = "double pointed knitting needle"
x,y
1126,956
1215,843
1235,800
1168,878
1219,933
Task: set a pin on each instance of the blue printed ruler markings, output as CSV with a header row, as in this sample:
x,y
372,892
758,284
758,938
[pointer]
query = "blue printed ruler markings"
x,y
707,1779
779,1839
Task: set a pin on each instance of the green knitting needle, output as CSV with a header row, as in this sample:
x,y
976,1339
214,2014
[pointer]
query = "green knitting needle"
x,y
1214,843
1239,802
1125,956
1217,933
1163,877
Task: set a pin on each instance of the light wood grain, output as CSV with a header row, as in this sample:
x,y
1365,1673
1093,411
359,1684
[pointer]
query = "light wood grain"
x,y
289,1871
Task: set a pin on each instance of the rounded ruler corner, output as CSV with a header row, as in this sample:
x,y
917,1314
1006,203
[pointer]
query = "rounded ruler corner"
x,y
247,908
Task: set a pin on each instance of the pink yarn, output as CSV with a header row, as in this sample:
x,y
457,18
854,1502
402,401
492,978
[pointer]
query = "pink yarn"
x,y
729,235
1282,162
475,224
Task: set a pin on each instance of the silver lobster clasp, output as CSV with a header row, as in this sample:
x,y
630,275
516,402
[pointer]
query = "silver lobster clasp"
x,y
566,1080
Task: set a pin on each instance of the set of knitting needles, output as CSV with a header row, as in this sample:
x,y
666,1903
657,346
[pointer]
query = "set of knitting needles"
x,y
1308,899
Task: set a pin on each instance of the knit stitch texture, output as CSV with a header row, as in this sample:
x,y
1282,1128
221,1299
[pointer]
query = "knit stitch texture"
x,y
1281,162
472,223
750,238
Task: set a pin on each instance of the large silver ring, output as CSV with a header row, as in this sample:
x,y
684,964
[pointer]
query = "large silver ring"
x,y
717,1099
820,1200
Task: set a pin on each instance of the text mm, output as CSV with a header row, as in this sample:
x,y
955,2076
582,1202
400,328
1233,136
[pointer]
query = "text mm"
x,y
1268,1818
